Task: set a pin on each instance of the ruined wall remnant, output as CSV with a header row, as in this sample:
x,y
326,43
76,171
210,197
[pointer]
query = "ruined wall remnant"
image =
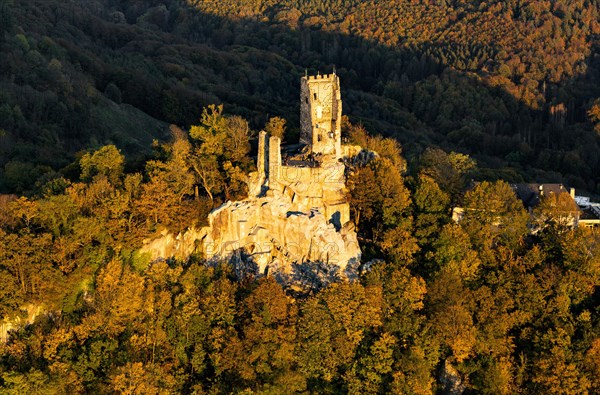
x,y
274,159
260,161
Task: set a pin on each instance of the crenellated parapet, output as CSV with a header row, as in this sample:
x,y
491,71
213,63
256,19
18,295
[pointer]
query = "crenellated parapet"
x,y
327,77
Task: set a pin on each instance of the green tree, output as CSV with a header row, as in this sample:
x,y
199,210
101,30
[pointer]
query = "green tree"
x,y
276,127
450,307
26,257
404,296
107,161
431,209
449,171
267,358
332,326
594,114
555,370
139,378
34,382
494,215
119,300
378,194
452,252
175,171
371,372
220,157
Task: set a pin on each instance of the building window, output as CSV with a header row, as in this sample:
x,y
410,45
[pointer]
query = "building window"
x,y
306,100
319,137
315,95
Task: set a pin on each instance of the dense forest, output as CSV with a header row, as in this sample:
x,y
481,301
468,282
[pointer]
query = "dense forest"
x,y
513,83
123,120
480,307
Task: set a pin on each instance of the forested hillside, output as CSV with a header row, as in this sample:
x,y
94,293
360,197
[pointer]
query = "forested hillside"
x,y
482,307
513,83
124,120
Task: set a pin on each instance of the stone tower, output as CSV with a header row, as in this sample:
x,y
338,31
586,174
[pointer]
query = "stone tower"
x,y
321,114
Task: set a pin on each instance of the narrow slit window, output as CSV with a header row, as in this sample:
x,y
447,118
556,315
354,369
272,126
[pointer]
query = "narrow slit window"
x,y
315,96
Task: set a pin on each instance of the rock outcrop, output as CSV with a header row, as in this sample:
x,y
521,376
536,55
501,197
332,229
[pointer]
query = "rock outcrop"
x,y
27,317
282,226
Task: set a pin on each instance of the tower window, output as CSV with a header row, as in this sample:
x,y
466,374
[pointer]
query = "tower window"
x,y
315,96
306,100
319,138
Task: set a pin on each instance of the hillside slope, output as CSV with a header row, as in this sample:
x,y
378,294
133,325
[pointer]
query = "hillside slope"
x,y
509,82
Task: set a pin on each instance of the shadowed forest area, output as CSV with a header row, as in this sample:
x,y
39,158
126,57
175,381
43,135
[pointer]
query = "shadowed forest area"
x,y
512,84
122,120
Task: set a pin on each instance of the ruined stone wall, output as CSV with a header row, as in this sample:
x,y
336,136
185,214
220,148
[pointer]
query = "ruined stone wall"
x,y
316,187
272,229
305,113
314,181
262,151
274,159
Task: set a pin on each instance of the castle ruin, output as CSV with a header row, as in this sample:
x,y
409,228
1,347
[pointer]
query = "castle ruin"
x,y
297,210
314,177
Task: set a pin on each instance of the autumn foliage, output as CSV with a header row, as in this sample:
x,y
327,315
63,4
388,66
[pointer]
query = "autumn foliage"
x,y
484,303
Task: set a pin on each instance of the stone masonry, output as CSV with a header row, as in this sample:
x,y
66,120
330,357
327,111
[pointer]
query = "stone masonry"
x,y
321,114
